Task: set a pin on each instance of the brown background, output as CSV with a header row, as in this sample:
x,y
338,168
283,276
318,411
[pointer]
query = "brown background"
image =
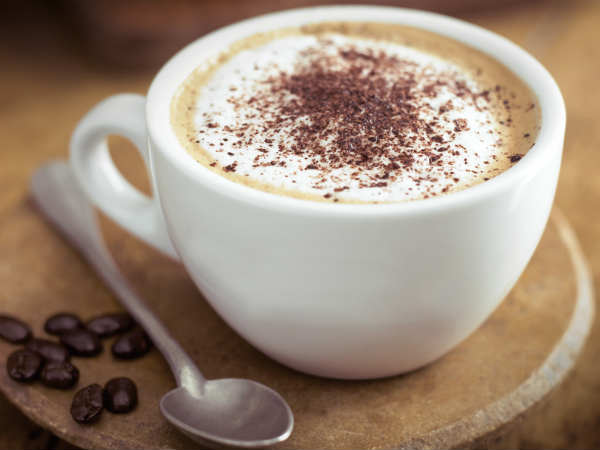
x,y
53,68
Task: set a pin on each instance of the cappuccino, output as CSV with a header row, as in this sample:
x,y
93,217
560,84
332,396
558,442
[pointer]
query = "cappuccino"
x,y
355,112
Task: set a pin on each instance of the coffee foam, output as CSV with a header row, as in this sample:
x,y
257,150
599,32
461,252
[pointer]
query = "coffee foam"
x,y
229,118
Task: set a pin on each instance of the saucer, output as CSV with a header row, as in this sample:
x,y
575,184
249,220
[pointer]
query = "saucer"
x,y
468,397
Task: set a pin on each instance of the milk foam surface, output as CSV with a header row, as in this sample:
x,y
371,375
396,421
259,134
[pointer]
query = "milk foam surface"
x,y
461,141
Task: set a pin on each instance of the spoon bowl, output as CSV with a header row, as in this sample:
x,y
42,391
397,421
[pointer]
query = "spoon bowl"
x,y
232,411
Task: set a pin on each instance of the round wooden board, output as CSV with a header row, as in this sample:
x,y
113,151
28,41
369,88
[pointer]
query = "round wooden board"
x,y
518,355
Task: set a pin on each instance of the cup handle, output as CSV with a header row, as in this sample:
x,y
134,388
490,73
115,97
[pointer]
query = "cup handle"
x,y
102,182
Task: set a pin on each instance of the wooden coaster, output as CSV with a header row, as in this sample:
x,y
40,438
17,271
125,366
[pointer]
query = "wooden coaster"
x,y
519,354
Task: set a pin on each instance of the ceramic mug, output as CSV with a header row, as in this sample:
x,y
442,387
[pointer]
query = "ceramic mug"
x,y
338,290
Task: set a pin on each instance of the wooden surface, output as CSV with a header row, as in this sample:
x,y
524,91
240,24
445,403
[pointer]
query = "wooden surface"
x,y
42,95
495,376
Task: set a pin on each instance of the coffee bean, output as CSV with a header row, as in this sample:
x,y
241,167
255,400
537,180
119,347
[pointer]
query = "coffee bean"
x,y
87,404
61,323
24,365
81,342
110,324
59,375
49,350
131,345
13,330
120,395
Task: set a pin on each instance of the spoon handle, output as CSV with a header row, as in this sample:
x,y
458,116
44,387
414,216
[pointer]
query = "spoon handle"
x,y
60,198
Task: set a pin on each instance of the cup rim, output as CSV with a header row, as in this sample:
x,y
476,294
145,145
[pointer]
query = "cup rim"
x,y
526,67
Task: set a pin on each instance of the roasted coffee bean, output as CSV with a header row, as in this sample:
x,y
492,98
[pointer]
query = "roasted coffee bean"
x,y
13,330
24,365
61,323
131,345
87,404
81,342
59,375
49,350
110,324
120,395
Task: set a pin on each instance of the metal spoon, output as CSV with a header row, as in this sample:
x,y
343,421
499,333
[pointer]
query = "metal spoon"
x,y
230,411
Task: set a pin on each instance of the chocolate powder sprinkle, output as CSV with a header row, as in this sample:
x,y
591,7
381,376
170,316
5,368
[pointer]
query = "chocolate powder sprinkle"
x,y
231,167
366,114
460,125
516,157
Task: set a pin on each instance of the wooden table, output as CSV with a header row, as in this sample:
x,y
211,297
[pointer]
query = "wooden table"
x,y
46,85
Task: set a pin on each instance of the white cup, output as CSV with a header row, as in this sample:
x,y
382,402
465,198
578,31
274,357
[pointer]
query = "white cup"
x,y
337,290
